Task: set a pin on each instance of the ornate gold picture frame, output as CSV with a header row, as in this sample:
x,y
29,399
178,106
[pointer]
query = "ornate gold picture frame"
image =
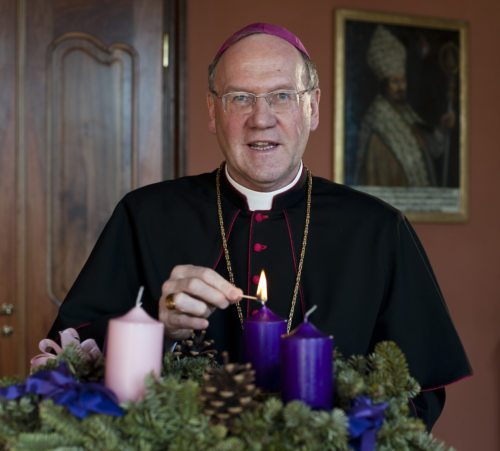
x,y
401,111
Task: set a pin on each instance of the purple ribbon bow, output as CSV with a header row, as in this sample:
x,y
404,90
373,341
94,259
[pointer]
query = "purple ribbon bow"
x,y
58,384
365,419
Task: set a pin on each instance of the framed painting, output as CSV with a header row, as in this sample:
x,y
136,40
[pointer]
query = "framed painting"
x,y
401,111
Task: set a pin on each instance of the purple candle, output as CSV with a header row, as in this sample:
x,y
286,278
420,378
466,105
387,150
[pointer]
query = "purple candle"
x,y
307,366
261,340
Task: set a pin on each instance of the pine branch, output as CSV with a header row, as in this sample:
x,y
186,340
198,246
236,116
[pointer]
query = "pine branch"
x,y
18,416
390,376
55,418
170,416
186,368
103,433
83,368
42,441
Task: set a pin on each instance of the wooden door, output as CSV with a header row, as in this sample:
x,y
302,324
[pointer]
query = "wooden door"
x,y
80,125
11,316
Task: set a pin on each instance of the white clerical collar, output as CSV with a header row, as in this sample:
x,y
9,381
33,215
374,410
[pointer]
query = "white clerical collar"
x,y
258,200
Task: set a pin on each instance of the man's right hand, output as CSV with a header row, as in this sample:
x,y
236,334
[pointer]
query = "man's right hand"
x,y
197,292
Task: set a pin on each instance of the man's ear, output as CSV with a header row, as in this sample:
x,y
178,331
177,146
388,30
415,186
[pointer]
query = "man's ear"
x,y
315,96
211,113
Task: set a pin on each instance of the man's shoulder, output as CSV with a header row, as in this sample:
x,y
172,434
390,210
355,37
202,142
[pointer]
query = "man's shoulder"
x,y
173,191
351,202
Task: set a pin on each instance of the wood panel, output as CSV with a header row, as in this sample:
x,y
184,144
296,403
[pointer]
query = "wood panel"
x,y
91,147
81,124
86,149
10,319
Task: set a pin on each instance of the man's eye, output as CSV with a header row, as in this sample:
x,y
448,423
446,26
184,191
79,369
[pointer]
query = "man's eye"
x,y
241,99
282,96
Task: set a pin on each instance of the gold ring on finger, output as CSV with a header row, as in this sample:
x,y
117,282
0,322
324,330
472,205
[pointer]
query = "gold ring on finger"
x,y
170,301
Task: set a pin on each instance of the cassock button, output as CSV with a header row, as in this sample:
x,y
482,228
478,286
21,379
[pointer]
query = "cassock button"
x,y
257,247
255,279
259,217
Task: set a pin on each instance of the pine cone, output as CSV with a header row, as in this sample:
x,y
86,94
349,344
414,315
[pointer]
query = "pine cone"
x,y
195,346
228,391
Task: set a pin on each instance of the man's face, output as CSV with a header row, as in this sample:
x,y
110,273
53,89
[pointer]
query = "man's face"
x,y
263,149
396,88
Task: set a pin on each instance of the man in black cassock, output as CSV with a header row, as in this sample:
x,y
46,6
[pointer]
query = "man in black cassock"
x,y
320,243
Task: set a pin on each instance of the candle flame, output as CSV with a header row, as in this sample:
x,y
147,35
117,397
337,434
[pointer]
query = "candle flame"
x,y
262,287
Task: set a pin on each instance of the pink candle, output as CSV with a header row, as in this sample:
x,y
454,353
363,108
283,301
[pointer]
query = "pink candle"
x,y
134,349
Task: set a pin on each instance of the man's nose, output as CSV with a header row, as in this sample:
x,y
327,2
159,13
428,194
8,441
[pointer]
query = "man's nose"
x,y
262,115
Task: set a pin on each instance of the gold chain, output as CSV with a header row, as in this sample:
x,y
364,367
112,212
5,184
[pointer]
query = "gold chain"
x,y
302,250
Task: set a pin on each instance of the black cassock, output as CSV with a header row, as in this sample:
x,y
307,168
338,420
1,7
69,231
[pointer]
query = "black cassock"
x,y
364,267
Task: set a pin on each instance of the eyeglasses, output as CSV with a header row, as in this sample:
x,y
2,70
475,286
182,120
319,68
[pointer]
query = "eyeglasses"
x,y
279,101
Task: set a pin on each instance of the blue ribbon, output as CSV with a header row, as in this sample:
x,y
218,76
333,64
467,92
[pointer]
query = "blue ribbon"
x,y
79,398
365,419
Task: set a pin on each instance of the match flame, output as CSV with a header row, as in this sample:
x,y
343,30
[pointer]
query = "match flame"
x,y
262,287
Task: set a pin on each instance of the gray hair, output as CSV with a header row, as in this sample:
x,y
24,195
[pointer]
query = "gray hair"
x,y
312,73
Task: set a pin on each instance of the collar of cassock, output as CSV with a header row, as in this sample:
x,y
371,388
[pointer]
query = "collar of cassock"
x,y
251,200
